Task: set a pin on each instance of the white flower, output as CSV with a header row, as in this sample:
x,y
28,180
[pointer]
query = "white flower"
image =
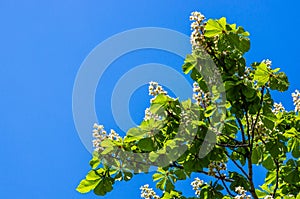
x,y
200,96
149,115
278,108
100,134
267,62
148,193
240,190
242,193
155,89
196,184
197,27
296,100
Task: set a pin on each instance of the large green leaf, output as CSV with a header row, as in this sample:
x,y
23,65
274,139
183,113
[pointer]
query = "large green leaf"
x,y
87,185
104,186
262,74
215,27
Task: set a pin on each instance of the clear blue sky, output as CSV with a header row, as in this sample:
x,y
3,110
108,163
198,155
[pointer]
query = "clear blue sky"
x,y
43,44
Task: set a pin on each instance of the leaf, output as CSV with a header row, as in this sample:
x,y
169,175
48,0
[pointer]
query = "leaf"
x,y
92,175
87,185
268,163
157,176
239,180
257,155
189,63
279,82
146,144
180,174
215,27
104,186
135,132
240,43
94,163
262,74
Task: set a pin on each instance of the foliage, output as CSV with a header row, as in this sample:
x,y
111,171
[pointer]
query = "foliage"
x,y
249,132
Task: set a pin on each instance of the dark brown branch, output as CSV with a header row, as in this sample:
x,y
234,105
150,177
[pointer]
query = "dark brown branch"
x,y
277,177
248,126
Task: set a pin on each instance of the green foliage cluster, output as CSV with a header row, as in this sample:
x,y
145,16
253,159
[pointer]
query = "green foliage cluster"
x,y
248,133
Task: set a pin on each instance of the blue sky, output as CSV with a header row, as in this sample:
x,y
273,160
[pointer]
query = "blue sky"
x,y
43,44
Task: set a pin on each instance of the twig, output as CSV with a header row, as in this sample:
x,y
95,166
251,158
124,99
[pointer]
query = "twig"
x,y
224,184
237,165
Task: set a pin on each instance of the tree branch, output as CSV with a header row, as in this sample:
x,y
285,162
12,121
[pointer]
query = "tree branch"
x,y
242,129
237,165
232,146
277,177
224,184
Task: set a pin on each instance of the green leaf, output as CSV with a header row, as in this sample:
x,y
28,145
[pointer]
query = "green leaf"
x,y
157,176
239,180
189,63
135,132
180,174
104,186
240,43
260,194
94,163
92,175
87,185
146,144
262,74
268,163
215,27
279,82
257,155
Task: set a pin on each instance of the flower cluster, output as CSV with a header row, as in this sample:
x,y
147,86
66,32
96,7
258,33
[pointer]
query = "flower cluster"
x,y
196,184
197,26
242,193
100,134
278,108
267,62
215,167
200,96
296,100
148,193
155,89
149,115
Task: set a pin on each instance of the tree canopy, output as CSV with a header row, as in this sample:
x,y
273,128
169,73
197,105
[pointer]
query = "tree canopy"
x,y
232,119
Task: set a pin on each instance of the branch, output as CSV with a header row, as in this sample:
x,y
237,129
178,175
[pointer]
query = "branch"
x,y
238,166
232,146
277,178
224,184
256,119
218,177
242,129
231,138
248,127
177,165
